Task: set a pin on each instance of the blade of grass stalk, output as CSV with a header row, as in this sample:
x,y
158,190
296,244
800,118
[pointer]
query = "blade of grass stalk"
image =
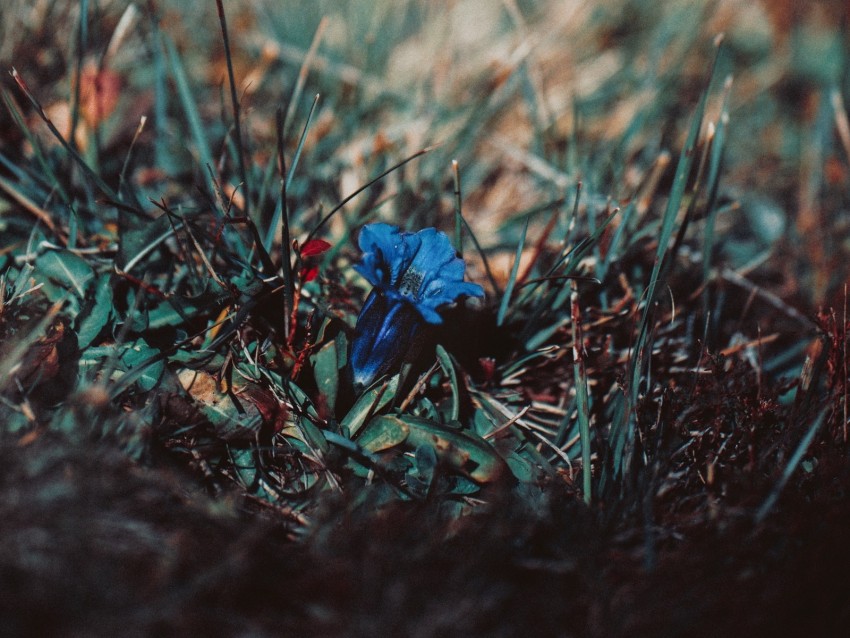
x,y
619,234
301,140
496,288
515,366
622,432
622,425
570,224
110,364
72,227
572,217
257,244
582,407
449,370
543,335
366,186
123,29
458,213
554,298
697,190
539,247
234,100
234,241
668,221
122,177
574,256
93,176
713,182
562,437
509,288
152,245
285,239
189,106
291,172
39,213
499,411
160,93
792,464
82,45
46,168
309,57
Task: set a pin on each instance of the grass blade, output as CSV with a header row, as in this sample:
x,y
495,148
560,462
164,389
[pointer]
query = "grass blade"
x,y
449,370
509,288
458,213
674,204
190,109
793,462
582,402
234,100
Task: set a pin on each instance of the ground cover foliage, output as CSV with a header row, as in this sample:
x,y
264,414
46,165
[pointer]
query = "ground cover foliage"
x,y
640,430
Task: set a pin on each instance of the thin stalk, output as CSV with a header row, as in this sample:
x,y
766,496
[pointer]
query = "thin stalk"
x,y
234,99
582,407
285,240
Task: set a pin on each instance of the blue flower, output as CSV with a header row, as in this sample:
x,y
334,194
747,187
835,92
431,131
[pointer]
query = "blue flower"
x,y
414,275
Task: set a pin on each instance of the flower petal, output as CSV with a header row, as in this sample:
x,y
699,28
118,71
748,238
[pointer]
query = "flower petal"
x,y
385,333
387,252
314,247
421,267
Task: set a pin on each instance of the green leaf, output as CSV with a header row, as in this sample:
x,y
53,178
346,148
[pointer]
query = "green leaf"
x,y
521,468
96,313
449,370
468,454
138,238
66,269
371,401
190,107
143,364
383,433
244,465
326,370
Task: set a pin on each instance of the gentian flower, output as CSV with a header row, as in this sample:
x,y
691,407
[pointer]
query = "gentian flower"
x,y
414,275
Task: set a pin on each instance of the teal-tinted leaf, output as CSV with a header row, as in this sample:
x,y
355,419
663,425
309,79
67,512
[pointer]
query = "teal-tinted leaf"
x,y
421,477
466,453
230,422
521,468
139,237
383,433
312,435
301,403
449,370
244,465
198,359
325,368
67,270
341,350
372,401
463,485
96,313
481,423
143,365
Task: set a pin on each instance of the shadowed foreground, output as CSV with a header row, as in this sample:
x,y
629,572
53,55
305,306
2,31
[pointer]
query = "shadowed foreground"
x,y
94,545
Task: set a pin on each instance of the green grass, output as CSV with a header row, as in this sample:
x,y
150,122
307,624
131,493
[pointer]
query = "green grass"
x,y
655,379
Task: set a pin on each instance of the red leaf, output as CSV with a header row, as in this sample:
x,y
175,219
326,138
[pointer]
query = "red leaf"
x,y
309,274
314,247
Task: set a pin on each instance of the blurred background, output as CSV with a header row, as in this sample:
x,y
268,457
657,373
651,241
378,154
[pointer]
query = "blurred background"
x,y
529,97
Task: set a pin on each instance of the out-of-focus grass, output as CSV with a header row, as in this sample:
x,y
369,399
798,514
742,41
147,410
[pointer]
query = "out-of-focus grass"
x,y
657,216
